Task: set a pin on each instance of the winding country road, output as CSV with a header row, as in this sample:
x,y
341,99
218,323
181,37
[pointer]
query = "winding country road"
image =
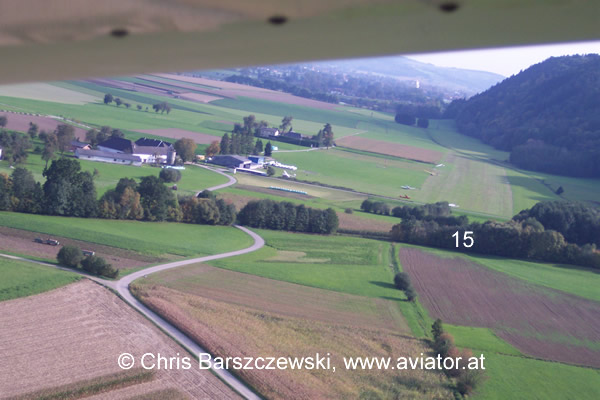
x,y
121,286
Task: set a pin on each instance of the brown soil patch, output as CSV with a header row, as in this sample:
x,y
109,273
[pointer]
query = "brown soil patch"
x,y
176,133
22,242
234,330
283,298
358,223
541,322
77,333
20,122
390,149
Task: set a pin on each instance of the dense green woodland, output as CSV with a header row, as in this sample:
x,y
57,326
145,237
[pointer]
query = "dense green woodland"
x,y
546,116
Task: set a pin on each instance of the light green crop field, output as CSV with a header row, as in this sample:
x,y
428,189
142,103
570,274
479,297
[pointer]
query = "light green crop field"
x,y
472,185
511,377
480,340
343,264
20,279
389,131
47,92
363,173
150,238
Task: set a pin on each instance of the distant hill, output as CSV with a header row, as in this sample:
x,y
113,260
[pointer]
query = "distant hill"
x,y
547,116
468,82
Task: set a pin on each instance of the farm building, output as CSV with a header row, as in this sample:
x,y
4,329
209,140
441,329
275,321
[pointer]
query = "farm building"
x,y
152,142
76,144
0,153
260,160
231,161
116,145
108,157
157,151
268,132
293,135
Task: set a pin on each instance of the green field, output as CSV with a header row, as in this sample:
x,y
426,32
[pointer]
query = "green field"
x,y
20,279
480,340
344,264
149,238
512,377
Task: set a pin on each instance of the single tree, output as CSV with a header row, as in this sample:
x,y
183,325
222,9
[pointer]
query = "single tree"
x,y
69,256
225,144
116,133
3,121
186,149
33,130
92,137
286,123
437,329
328,135
127,105
139,107
118,101
50,147
65,135
270,171
560,190
258,147
108,98
268,149
213,148
169,175
402,280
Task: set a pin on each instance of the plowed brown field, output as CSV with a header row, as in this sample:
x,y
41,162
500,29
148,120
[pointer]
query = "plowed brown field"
x,y
390,149
77,333
541,322
20,122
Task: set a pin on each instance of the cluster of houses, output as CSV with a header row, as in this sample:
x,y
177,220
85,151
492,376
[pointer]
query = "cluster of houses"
x,y
126,152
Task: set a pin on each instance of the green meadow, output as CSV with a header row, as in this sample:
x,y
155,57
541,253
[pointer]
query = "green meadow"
x,y
149,238
20,278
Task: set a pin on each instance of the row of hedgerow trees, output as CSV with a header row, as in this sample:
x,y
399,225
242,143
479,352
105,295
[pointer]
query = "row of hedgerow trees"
x,y
286,216
522,237
72,257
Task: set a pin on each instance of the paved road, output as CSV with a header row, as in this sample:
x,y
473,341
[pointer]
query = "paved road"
x,y
231,179
122,287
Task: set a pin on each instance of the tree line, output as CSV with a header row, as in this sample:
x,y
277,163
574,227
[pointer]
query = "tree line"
x,y
286,216
522,237
68,191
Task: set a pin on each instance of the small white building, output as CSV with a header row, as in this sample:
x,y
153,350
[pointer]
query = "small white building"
x,y
0,153
108,157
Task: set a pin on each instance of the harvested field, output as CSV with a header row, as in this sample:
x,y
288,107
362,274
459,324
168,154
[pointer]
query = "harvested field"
x,y
22,242
390,149
235,330
263,294
358,223
201,98
176,133
232,90
541,322
20,122
76,333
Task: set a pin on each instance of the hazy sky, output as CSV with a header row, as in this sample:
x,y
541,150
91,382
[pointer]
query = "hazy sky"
x,y
507,60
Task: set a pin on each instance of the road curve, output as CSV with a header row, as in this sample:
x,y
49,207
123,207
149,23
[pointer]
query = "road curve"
x,y
231,179
122,287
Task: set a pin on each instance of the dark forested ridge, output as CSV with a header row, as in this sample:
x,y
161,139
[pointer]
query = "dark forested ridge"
x,y
547,116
